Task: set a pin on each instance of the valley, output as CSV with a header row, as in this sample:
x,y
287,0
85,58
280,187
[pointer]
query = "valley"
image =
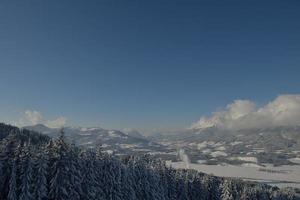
x,y
267,155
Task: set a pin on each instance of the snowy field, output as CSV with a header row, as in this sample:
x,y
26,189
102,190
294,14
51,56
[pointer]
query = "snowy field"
x,y
282,176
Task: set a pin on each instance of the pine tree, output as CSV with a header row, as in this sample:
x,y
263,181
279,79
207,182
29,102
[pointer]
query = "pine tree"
x,y
127,191
195,187
181,189
248,193
289,193
171,183
76,176
26,174
60,182
108,178
12,194
89,183
41,190
212,188
227,193
8,146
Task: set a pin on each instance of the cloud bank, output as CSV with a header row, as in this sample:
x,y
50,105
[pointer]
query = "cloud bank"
x,y
245,114
32,117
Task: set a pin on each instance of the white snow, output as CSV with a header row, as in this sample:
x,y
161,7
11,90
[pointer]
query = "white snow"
x,y
84,129
201,161
128,146
250,165
86,143
236,143
148,150
295,160
205,144
218,154
113,134
218,144
202,145
258,150
206,151
290,178
247,159
221,148
105,145
109,151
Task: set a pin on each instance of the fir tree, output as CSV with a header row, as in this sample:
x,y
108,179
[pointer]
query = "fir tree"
x,y
227,190
60,182
7,146
41,190
26,174
89,179
12,194
76,176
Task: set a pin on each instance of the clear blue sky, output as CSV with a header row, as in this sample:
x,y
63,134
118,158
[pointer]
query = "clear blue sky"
x,y
144,64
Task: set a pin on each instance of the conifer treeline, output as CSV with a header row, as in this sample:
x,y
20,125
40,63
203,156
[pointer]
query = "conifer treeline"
x,y
56,170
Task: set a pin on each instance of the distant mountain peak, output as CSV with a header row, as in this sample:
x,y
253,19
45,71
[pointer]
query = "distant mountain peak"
x,y
133,132
38,128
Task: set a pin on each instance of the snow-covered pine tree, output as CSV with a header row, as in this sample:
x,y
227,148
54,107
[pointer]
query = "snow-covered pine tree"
x,y
134,176
26,174
262,192
1,170
7,146
40,189
60,181
171,183
110,178
248,193
141,184
289,193
12,194
161,170
226,190
278,195
195,187
237,186
181,189
131,179
152,180
212,188
127,191
90,185
76,176
116,174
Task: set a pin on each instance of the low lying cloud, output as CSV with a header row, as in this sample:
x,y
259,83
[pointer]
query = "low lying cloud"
x,y
33,117
244,114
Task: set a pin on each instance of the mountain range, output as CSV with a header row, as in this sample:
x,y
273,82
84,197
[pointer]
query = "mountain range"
x,y
278,146
113,141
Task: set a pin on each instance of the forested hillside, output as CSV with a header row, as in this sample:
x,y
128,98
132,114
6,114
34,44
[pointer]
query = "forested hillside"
x,y
33,166
22,135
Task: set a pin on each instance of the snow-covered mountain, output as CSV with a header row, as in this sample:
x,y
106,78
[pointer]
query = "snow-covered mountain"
x,y
278,145
133,133
115,141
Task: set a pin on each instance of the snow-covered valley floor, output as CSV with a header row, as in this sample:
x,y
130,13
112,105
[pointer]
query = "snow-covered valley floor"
x,y
282,176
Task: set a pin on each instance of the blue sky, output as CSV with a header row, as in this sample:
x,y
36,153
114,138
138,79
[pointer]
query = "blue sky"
x,y
144,64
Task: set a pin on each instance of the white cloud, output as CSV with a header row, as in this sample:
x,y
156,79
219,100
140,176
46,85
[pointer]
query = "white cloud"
x,y
33,117
243,114
57,123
